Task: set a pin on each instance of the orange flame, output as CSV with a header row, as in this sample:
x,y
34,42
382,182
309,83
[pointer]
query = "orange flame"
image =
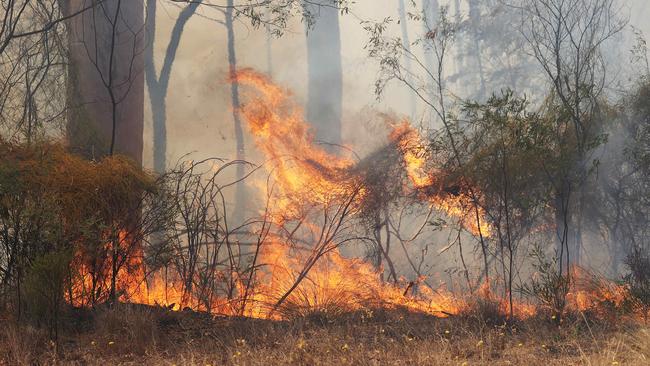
x,y
459,205
304,172
92,279
305,175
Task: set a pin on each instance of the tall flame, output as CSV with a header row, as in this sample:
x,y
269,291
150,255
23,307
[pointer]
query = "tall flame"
x,y
303,171
306,175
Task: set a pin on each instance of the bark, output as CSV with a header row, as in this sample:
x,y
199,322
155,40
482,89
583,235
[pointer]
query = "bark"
x,y
106,89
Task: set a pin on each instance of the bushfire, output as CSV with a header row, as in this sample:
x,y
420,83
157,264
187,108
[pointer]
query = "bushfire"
x,y
313,196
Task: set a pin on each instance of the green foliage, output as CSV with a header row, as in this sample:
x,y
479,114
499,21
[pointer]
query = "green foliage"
x,y
508,149
548,285
638,279
44,287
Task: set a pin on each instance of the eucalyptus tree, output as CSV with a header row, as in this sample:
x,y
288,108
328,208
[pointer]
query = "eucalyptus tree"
x,y
566,38
325,75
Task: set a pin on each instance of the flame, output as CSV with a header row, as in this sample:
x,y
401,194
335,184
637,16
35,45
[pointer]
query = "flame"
x,y
92,279
459,205
410,144
595,294
337,284
307,175
303,171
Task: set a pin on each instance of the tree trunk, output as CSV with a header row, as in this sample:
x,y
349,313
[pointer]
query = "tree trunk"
x,y
431,11
240,193
406,43
106,88
325,74
475,19
158,85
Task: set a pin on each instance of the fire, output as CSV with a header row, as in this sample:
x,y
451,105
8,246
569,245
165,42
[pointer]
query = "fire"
x,y
307,173
303,172
411,146
595,294
304,176
458,204
335,285
92,279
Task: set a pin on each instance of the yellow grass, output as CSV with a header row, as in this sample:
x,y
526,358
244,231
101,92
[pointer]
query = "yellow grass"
x,y
139,335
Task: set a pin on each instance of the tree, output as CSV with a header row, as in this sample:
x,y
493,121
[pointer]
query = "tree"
x,y
106,91
430,12
430,87
240,193
325,85
506,148
407,45
32,76
566,39
475,37
158,85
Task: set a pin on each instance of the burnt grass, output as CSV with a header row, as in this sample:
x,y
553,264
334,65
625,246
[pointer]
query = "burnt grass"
x,y
135,335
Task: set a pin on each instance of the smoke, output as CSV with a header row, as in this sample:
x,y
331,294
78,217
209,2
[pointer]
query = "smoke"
x,y
199,113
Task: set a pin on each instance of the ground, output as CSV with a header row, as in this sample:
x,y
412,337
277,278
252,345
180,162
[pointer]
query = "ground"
x,y
133,335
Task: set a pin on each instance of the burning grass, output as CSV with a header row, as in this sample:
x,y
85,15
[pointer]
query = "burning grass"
x,y
277,289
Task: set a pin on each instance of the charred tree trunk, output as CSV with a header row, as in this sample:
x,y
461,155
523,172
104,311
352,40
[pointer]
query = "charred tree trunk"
x,y
106,89
325,74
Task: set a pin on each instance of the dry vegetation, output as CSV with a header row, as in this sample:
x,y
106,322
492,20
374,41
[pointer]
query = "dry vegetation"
x,y
98,256
146,335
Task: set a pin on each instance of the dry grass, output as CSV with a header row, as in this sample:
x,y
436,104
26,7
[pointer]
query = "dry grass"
x,y
139,335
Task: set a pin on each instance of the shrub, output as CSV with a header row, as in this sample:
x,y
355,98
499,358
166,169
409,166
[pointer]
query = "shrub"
x,y
638,279
548,286
44,288
56,206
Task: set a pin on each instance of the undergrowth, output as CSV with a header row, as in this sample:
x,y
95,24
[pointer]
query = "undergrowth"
x,y
133,334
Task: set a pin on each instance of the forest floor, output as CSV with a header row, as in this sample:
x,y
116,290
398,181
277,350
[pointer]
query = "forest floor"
x,y
133,335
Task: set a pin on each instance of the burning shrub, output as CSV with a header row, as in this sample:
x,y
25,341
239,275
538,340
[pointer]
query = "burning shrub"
x,y
53,202
548,285
577,292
